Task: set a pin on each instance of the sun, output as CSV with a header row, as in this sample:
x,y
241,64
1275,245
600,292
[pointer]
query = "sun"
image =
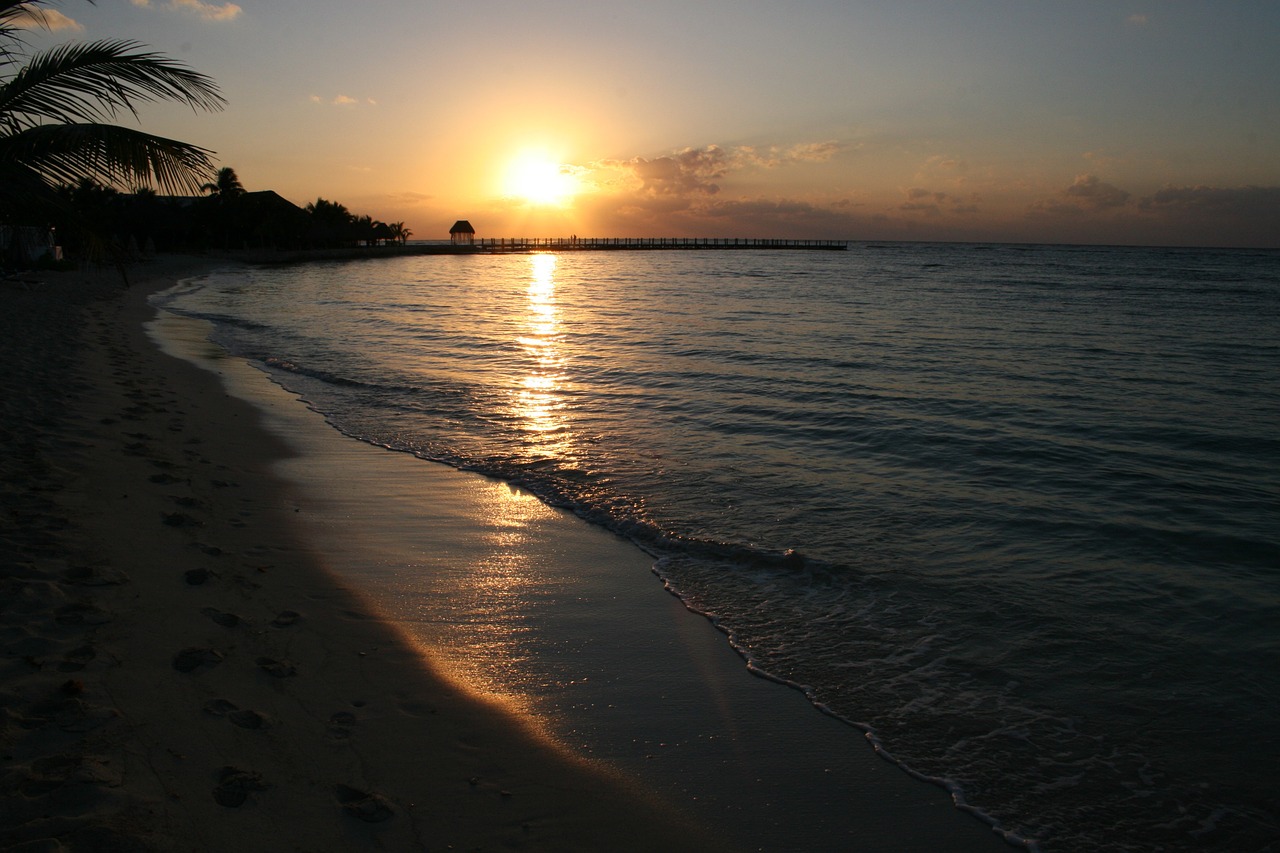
x,y
540,180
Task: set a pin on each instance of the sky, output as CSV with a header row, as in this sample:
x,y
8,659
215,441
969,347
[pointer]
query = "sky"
x,y
1149,122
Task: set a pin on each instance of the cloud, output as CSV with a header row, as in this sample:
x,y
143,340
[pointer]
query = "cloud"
x,y
1086,195
1247,216
943,163
341,100
695,172
936,203
1094,212
1259,206
207,11
1093,194
50,19
775,156
688,172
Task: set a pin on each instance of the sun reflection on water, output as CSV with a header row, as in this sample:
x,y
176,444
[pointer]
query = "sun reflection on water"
x,y
540,402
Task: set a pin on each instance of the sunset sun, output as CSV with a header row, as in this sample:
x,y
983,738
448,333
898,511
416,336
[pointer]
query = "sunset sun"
x,y
538,179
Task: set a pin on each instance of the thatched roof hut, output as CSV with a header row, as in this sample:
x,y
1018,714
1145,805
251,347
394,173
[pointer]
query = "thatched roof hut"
x,y
462,233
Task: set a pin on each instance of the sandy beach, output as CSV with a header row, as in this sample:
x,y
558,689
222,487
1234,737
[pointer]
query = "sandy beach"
x,y
179,675
185,669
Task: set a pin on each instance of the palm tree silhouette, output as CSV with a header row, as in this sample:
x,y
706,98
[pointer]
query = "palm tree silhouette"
x,y
226,185
56,109
399,233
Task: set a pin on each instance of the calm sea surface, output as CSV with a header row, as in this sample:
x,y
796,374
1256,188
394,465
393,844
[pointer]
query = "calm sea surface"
x,y
1013,511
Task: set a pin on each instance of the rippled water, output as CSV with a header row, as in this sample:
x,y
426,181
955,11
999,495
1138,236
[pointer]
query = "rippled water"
x,y
1013,510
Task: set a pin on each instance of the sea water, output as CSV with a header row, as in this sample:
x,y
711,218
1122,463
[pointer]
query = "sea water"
x,y
1013,512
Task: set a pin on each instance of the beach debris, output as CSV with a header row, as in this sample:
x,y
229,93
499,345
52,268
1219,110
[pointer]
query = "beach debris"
x,y
370,808
191,659
234,786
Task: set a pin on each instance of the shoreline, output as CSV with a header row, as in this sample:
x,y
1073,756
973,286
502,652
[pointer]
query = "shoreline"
x,y
233,597
180,674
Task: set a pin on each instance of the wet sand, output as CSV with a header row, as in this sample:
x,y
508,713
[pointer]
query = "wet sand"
x,y
189,663
180,674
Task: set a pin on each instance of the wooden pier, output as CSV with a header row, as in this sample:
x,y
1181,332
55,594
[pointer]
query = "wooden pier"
x,y
602,244
526,245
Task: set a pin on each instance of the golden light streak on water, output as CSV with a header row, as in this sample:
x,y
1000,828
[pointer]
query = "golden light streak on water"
x,y
540,400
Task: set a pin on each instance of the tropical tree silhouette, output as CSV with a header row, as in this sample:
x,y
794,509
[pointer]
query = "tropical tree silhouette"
x,y
224,218
330,223
56,112
399,233
226,185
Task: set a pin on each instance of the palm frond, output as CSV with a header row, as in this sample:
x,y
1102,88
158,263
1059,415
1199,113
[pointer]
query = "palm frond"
x,y
113,155
95,81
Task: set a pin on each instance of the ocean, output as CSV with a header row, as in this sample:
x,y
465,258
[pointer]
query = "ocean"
x,y
1011,512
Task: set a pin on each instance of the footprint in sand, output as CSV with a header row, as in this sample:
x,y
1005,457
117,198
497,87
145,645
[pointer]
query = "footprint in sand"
x,y
81,613
234,786
191,659
95,576
245,718
276,668
76,715
285,618
226,620
370,808
220,707
340,724
197,577
77,659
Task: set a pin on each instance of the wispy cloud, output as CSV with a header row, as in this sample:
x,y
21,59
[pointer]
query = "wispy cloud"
x,y
49,19
936,203
1252,203
341,100
207,11
1095,194
695,172
775,156
1086,194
